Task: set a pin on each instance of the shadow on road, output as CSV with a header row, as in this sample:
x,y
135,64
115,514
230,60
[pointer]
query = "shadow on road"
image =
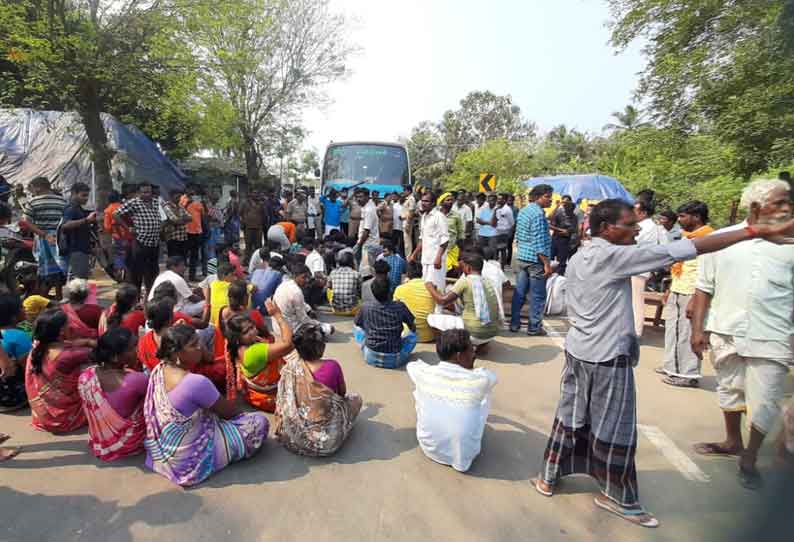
x,y
513,453
63,517
76,453
370,440
501,352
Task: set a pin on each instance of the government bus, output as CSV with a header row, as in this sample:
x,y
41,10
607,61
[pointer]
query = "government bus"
x,y
383,167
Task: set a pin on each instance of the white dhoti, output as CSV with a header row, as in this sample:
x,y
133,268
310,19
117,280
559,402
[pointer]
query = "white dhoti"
x,y
438,277
638,301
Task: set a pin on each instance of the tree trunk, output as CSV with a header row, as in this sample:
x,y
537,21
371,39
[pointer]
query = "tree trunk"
x,y
251,161
98,141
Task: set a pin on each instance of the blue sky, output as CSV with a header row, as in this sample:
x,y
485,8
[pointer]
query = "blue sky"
x,y
419,59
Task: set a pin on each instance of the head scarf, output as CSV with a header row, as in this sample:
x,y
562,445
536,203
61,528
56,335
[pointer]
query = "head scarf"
x,y
442,197
33,305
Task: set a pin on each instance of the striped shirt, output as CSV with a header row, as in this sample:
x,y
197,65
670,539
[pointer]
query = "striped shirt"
x,y
532,234
45,211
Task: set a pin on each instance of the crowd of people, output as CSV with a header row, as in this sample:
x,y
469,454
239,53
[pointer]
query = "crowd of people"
x,y
221,335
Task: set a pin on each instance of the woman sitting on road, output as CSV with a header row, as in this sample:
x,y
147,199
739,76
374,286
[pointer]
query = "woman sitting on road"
x,y
160,317
112,397
254,363
51,374
125,312
213,432
83,317
314,412
16,345
480,307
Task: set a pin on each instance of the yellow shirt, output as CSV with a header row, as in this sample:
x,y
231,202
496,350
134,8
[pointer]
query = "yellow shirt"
x,y
219,298
419,301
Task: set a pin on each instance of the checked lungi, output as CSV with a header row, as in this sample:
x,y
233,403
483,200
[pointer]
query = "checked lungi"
x,y
595,428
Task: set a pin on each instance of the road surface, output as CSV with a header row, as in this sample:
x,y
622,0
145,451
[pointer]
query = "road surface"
x,y
381,487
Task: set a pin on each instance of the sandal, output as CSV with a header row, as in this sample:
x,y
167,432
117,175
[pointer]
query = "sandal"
x,y
536,484
8,453
681,382
637,516
750,479
715,449
4,437
660,370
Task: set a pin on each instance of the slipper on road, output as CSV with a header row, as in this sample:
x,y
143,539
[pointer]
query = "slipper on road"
x,y
637,516
715,449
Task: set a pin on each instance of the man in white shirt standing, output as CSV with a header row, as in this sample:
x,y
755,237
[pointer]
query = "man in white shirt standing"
x,y
187,301
433,242
464,211
397,228
650,234
479,201
504,227
368,232
744,299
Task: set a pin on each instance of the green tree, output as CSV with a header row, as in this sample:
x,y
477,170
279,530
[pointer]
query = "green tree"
x,y
268,59
426,151
94,57
726,67
629,119
510,161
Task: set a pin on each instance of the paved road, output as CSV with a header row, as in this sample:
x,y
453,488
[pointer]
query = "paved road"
x,y
380,486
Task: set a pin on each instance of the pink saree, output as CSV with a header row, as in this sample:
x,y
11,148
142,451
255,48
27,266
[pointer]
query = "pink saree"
x,y
110,437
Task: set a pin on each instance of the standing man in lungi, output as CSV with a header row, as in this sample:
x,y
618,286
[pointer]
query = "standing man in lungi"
x,y
595,427
433,243
681,365
747,291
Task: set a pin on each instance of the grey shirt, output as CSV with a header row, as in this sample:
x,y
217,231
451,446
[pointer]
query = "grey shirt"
x,y
598,295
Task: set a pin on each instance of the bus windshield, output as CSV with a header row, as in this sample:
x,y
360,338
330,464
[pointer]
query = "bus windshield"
x,y
368,163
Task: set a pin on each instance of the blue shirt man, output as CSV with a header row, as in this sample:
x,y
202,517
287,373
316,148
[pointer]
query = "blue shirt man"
x,y
332,211
534,249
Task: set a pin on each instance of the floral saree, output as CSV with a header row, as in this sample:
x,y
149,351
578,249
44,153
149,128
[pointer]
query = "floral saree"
x,y
311,419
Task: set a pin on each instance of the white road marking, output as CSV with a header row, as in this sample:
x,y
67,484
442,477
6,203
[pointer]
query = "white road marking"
x,y
674,454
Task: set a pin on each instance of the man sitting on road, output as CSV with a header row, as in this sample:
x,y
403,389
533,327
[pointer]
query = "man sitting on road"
x,y
379,328
452,401
289,298
344,287
187,301
418,300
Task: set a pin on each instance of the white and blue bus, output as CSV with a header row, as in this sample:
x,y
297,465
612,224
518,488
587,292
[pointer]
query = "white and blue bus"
x,y
383,167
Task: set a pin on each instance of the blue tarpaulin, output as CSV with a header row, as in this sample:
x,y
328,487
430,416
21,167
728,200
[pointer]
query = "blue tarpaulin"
x,y
54,144
590,187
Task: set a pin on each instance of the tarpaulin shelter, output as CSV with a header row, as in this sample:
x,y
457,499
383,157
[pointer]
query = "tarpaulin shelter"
x,y
54,144
593,188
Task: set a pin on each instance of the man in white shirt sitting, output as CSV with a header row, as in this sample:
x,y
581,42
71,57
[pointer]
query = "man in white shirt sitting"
x,y
315,291
187,301
452,401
